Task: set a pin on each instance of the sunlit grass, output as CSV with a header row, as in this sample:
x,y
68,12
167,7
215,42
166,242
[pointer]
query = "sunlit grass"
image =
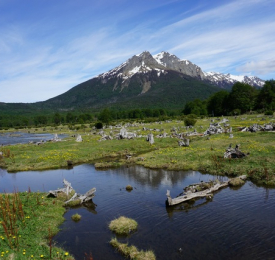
x,y
132,252
123,225
28,223
202,154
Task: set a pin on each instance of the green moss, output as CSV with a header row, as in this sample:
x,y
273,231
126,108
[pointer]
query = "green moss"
x,y
236,182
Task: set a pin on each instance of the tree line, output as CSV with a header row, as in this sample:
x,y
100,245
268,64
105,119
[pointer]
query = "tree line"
x,y
72,118
242,98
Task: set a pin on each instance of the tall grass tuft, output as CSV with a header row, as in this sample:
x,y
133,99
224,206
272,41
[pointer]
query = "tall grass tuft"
x,y
123,225
132,252
28,222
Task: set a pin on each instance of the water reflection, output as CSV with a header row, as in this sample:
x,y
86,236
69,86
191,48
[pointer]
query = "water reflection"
x,y
186,206
235,224
21,137
154,178
89,206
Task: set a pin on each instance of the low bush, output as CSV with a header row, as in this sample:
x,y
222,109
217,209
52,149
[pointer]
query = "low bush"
x,y
269,113
189,121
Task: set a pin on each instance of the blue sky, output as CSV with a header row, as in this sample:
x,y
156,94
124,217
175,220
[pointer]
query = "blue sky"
x,y
48,47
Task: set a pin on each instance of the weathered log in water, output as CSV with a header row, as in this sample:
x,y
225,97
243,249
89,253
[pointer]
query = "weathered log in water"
x,y
76,197
192,192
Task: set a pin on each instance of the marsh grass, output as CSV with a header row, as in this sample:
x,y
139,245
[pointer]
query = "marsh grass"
x,y
123,225
28,223
76,217
129,188
132,252
235,182
203,154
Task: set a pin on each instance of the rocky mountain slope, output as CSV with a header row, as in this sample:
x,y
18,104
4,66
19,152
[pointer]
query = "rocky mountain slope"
x,y
227,80
159,81
165,61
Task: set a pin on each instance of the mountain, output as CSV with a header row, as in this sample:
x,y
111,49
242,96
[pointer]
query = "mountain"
x,y
145,81
164,61
226,81
159,81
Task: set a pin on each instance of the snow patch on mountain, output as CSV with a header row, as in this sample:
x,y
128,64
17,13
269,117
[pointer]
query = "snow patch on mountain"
x,y
164,62
225,80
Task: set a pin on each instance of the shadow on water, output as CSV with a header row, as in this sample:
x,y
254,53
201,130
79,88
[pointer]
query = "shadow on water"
x,y
89,205
235,224
187,206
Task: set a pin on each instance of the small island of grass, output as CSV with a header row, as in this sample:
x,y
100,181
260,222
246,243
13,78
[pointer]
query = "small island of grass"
x,y
123,225
76,217
132,252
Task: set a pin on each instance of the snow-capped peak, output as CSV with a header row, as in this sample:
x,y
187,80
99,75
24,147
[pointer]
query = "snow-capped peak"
x,y
224,80
164,62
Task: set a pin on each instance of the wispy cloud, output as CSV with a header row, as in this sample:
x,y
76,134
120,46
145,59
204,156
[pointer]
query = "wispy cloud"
x,y
42,58
262,67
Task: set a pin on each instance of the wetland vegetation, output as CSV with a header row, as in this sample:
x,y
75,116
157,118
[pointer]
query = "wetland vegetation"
x,y
30,220
205,153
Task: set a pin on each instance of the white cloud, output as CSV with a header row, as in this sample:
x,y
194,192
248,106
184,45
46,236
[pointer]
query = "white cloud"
x,y
222,39
262,67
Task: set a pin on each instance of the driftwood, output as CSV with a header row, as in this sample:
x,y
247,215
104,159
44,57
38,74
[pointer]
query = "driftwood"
x,y
87,196
184,142
150,138
191,192
256,128
214,128
123,134
234,152
55,138
67,189
78,138
76,197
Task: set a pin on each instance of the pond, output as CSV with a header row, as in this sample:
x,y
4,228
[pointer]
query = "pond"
x,y
21,137
236,224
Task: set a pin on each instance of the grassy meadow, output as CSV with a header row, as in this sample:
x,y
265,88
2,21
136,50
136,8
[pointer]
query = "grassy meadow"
x,y
204,153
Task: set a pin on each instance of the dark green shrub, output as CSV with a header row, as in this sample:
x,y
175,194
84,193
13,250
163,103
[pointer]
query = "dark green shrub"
x,y
98,125
189,121
268,113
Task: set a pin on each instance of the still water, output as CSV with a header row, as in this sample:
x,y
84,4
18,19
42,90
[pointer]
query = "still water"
x,y
236,224
20,137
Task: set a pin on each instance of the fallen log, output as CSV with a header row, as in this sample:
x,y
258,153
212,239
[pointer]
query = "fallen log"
x,y
231,153
191,192
69,191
